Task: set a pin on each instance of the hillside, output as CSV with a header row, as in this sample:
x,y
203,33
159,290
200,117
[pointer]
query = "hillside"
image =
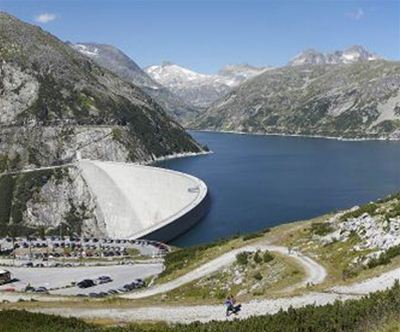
x,y
363,281
356,100
56,102
122,65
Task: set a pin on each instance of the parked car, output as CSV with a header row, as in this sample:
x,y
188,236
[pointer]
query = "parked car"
x,y
129,287
29,289
104,279
139,282
86,283
41,290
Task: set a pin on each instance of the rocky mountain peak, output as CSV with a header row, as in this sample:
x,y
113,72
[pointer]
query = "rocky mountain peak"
x,y
308,57
352,54
358,53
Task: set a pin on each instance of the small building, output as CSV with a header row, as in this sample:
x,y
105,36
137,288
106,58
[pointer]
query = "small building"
x,y
5,276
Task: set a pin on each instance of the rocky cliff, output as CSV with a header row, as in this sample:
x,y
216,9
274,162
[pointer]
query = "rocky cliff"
x,y
50,201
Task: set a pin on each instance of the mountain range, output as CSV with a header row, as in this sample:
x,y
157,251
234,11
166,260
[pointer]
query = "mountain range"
x,y
351,93
59,97
351,99
353,54
116,61
198,89
182,92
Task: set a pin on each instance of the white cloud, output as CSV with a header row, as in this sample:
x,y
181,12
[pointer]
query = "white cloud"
x,y
45,17
356,14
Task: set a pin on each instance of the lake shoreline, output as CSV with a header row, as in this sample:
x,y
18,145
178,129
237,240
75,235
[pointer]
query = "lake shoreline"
x,y
343,139
175,156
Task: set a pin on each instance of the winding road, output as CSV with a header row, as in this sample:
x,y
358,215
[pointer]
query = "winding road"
x,y
315,273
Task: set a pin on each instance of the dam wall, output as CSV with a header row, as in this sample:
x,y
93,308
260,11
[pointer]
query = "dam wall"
x,y
136,201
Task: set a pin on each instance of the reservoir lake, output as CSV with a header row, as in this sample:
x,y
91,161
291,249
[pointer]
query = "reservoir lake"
x,y
258,181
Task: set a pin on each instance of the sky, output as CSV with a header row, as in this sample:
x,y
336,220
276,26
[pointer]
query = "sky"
x,y
205,35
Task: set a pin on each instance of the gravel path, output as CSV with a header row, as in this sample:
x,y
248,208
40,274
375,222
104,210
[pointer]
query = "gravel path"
x,y
382,282
315,273
187,314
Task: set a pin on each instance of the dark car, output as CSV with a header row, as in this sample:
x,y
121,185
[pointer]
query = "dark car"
x,y
129,287
86,283
29,289
139,282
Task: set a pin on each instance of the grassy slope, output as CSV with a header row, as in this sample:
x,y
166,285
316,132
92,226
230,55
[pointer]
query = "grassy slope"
x,y
336,257
277,275
302,236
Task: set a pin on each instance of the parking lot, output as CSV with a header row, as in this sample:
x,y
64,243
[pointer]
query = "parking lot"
x,y
59,280
73,249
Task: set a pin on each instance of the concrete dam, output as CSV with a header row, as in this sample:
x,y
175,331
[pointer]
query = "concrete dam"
x,y
135,201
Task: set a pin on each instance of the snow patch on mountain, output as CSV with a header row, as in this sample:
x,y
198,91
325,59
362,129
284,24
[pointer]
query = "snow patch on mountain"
x,y
200,89
88,51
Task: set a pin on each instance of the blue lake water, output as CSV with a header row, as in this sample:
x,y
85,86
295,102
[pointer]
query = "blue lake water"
x,y
262,181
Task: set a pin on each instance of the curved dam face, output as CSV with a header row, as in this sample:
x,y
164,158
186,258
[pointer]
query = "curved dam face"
x,y
135,201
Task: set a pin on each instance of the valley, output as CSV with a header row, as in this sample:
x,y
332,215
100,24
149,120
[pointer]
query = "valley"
x,y
203,193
